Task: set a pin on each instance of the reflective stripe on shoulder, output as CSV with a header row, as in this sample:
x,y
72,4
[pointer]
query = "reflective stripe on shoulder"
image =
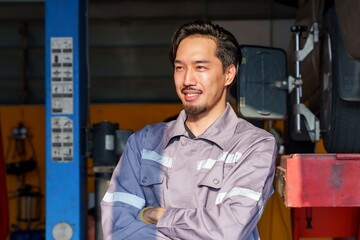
x,y
207,164
123,197
154,156
226,157
245,192
230,157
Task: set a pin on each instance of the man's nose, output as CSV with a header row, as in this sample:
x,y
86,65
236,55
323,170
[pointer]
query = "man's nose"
x,y
189,78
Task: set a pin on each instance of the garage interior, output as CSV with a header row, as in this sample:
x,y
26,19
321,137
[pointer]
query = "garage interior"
x,y
129,84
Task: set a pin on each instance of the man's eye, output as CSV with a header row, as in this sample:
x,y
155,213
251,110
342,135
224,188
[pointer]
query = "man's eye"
x,y
201,67
178,68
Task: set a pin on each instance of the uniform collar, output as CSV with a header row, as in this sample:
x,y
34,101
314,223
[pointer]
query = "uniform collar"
x,y
219,132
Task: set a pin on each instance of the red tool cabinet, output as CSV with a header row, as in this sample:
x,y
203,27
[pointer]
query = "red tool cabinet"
x,y
323,191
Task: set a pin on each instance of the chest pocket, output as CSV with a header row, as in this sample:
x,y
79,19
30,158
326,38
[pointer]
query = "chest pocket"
x,y
151,178
215,177
151,174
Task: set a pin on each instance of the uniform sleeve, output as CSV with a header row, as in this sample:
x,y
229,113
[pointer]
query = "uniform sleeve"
x,y
124,199
239,202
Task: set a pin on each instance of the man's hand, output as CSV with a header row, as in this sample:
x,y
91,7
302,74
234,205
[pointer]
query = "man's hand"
x,y
152,215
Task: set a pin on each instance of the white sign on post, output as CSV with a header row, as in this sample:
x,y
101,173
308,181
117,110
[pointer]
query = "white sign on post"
x,y
62,101
62,139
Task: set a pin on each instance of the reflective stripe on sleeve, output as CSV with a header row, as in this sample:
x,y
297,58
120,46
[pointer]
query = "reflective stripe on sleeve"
x,y
261,203
123,197
261,207
245,192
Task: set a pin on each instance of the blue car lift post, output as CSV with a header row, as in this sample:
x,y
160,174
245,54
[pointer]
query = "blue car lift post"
x,y
66,118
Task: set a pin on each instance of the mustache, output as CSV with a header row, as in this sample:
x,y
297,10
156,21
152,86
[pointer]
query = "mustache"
x,y
191,89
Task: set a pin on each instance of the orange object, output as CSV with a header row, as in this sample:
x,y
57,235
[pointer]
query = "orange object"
x,y
4,214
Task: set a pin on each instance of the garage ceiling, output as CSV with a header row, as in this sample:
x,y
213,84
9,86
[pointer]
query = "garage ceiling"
x,y
161,9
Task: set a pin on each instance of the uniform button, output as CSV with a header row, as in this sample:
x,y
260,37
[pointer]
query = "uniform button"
x,y
144,180
216,181
183,142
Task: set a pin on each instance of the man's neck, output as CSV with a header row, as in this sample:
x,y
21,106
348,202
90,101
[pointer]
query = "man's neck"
x,y
199,123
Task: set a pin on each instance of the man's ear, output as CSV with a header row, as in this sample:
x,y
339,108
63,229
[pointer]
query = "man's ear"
x,y
230,74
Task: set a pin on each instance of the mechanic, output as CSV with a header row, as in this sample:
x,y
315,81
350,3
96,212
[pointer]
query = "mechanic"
x,y
205,175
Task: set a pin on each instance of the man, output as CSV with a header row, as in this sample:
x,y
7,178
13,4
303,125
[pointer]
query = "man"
x,y
205,175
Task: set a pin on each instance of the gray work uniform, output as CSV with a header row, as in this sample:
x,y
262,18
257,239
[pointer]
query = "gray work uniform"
x,y
213,186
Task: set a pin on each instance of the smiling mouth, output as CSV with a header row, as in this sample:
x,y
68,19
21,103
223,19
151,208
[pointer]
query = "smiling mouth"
x,y
191,94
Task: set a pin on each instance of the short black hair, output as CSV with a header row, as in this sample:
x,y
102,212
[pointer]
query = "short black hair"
x,y
228,48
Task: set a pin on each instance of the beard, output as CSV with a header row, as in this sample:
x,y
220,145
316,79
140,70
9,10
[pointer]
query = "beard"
x,y
195,110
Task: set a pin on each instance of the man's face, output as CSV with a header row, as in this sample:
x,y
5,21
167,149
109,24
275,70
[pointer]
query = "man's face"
x,y
200,80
